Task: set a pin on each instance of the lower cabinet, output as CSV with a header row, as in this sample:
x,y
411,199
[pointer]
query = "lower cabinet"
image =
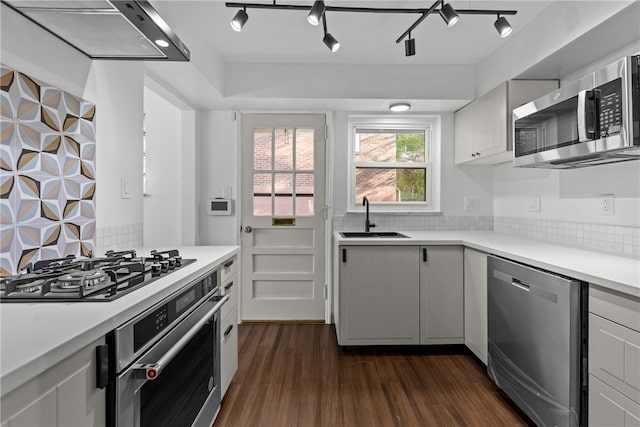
x,y
229,325
441,295
379,295
475,303
614,359
400,295
64,395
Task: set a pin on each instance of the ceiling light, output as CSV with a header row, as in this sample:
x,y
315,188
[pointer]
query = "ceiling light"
x,y
328,39
162,43
399,107
239,19
449,14
503,26
409,46
316,12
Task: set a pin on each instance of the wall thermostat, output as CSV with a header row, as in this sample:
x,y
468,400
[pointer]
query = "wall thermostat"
x,y
219,206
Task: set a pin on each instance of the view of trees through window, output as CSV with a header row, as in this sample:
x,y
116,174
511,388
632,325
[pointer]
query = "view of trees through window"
x,y
390,165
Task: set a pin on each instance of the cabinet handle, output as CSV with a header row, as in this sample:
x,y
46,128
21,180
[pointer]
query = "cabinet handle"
x,y
228,330
229,264
344,255
478,154
424,254
102,366
226,288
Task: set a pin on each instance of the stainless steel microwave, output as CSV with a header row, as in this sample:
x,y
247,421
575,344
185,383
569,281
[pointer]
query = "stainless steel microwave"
x,y
591,121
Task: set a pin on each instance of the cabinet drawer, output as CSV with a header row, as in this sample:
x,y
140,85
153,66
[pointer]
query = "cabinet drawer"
x,y
609,408
614,355
619,308
228,350
230,287
228,269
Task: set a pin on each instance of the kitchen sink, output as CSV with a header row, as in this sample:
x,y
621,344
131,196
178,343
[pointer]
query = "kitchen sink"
x,y
361,234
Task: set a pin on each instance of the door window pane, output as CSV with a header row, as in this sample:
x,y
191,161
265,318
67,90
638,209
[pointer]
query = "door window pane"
x,y
304,194
262,194
304,149
284,149
262,140
391,184
284,194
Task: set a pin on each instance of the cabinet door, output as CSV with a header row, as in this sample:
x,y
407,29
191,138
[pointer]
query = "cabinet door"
x,y
610,408
463,135
475,303
441,295
495,118
379,295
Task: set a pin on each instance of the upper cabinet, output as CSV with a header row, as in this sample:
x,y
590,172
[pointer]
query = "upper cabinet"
x,y
483,131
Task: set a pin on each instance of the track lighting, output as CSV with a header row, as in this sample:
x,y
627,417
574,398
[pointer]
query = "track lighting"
x,y
316,12
400,107
240,19
409,46
503,26
449,14
328,39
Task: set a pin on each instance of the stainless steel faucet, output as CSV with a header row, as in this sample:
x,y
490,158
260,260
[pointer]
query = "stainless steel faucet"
x,y
367,224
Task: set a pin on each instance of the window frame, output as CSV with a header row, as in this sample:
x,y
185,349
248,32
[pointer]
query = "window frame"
x,y
431,165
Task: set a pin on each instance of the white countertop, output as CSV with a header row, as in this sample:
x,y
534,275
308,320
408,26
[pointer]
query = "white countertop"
x,y
613,272
36,336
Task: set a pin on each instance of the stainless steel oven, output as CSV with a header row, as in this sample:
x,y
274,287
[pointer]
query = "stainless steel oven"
x,y
166,361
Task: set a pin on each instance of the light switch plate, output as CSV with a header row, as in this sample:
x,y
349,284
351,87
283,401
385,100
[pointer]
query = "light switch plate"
x,y
533,204
125,189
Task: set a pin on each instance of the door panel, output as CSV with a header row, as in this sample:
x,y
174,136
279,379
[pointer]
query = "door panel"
x,y
283,218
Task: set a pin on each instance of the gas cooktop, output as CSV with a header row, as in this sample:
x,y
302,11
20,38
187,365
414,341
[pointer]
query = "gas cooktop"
x,y
89,279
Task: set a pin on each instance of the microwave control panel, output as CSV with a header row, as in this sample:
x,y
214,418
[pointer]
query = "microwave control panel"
x,y
610,108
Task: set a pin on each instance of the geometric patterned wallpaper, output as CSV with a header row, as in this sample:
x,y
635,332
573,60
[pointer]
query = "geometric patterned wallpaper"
x,y
47,164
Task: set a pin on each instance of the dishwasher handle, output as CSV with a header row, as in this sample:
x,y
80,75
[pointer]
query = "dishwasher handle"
x,y
520,284
151,371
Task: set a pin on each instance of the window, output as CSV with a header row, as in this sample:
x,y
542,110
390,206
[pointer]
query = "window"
x,y
395,162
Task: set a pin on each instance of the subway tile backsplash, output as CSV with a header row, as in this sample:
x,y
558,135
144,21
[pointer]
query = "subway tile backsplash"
x,y
118,238
617,240
620,240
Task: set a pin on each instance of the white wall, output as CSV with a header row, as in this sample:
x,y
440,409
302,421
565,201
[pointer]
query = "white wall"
x,y
219,168
162,201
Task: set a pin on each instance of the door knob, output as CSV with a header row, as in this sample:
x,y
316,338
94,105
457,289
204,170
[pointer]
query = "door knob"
x,y
248,229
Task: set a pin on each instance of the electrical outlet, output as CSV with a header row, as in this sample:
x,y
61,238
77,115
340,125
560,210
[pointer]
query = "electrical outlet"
x,y
226,192
533,204
607,205
125,190
471,203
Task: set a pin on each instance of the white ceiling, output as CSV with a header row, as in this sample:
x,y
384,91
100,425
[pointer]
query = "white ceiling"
x,y
285,36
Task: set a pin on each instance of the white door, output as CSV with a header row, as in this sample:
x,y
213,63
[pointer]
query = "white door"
x,y
283,218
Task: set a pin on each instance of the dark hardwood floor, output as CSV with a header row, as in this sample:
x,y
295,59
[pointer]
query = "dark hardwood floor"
x,y
296,375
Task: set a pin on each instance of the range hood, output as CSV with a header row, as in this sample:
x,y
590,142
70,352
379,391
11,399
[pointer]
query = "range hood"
x,y
106,29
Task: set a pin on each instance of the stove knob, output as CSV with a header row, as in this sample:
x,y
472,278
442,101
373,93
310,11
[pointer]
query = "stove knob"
x,y
178,261
165,266
155,269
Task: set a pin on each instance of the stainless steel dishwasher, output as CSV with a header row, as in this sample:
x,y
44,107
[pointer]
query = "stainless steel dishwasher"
x,y
537,341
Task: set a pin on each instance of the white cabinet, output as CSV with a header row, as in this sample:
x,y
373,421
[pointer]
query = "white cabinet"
x,y
614,358
65,395
229,325
441,295
475,303
483,128
400,295
379,299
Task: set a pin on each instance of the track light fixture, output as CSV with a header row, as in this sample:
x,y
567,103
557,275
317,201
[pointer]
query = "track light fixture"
x,y
503,26
328,39
316,12
240,19
409,46
449,14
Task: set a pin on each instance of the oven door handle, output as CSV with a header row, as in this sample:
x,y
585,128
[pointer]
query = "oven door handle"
x,y
151,371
